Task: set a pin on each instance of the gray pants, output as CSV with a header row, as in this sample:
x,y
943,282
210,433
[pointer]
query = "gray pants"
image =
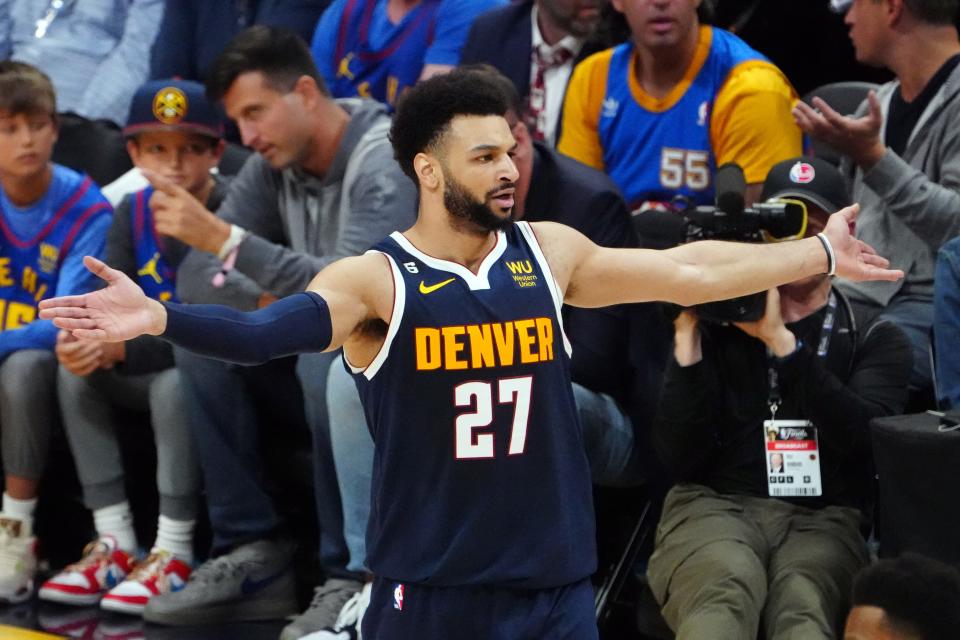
x,y
723,564
87,405
28,411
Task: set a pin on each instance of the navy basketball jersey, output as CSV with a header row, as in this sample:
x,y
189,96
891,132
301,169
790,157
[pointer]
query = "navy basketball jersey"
x,y
383,72
30,267
480,475
154,274
654,155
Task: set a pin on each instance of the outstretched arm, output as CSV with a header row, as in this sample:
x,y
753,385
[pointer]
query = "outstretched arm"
x,y
690,274
321,319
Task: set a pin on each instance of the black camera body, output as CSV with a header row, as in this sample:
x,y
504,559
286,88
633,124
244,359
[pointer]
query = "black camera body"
x,y
727,220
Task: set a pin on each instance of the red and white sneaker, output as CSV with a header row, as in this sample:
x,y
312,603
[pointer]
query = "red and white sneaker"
x,y
159,573
18,560
102,567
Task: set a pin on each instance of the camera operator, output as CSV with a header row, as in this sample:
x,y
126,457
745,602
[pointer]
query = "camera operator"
x,y
739,544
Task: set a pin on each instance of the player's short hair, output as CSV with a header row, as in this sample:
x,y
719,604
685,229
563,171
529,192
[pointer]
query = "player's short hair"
x,y
24,89
425,111
919,595
280,55
502,82
934,11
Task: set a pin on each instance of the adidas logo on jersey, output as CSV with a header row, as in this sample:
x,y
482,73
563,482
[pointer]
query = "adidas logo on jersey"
x,y
610,108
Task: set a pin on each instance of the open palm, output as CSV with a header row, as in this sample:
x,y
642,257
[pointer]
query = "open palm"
x,y
856,260
120,311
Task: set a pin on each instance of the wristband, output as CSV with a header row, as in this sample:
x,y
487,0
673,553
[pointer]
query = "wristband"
x,y
831,256
220,277
233,241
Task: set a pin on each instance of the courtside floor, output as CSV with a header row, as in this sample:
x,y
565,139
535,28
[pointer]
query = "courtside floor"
x,y
44,621
12,633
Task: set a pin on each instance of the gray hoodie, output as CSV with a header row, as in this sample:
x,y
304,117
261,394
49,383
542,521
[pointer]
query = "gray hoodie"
x,y
911,205
300,223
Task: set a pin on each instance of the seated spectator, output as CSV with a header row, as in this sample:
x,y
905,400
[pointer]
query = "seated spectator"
x,y
536,44
659,114
50,217
97,52
739,546
946,324
906,598
903,146
322,185
193,34
550,187
172,130
377,48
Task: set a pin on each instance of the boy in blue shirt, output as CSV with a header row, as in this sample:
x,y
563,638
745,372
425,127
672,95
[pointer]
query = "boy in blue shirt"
x,y
377,48
50,217
174,131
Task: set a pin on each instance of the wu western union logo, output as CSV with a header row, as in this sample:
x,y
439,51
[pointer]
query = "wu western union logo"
x,y
522,271
425,289
478,346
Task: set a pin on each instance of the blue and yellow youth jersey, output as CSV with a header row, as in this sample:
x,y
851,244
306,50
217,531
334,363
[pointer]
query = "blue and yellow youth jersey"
x,y
30,263
154,274
360,52
367,68
480,475
732,105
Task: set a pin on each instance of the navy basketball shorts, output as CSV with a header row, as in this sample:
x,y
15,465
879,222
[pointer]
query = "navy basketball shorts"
x,y
415,612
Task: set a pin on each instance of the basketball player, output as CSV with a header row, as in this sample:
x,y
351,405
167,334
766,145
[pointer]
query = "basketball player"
x,y
481,521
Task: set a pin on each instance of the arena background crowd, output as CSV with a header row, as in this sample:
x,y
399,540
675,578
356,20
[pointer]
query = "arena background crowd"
x,y
224,152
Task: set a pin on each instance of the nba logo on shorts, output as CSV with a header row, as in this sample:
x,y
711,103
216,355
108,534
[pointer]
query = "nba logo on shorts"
x,y
398,597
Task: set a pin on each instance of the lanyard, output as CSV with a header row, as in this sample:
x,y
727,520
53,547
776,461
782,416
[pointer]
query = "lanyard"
x,y
823,346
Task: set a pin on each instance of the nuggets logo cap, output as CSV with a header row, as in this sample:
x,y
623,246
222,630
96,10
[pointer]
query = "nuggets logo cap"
x,y
173,105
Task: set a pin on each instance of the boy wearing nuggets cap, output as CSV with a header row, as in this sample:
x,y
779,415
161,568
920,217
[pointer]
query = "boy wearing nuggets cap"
x,y
175,132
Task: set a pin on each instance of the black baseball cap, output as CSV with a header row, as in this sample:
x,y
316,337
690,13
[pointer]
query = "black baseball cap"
x,y
811,179
173,105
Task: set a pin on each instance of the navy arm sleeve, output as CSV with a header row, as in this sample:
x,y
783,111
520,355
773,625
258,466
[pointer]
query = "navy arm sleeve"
x,y
296,324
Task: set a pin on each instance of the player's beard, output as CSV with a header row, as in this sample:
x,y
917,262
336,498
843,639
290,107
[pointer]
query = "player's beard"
x,y
462,205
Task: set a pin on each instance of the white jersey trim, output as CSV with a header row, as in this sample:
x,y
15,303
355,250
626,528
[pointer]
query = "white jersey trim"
x,y
476,282
527,231
399,302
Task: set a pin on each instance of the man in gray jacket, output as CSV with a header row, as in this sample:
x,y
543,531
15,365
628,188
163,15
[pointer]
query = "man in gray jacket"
x,y
903,147
323,185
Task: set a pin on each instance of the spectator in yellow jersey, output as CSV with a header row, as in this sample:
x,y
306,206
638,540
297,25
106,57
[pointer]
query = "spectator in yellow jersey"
x,y
662,111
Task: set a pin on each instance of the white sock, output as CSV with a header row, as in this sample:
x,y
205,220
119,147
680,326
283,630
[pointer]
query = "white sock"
x,y
117,521
176,536
20,509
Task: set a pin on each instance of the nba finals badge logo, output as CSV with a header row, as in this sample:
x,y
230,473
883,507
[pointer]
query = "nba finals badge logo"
x,y
170,105
49,255
398,597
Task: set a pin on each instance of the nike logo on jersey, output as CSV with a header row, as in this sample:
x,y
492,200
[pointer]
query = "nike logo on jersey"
x,y
425,289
